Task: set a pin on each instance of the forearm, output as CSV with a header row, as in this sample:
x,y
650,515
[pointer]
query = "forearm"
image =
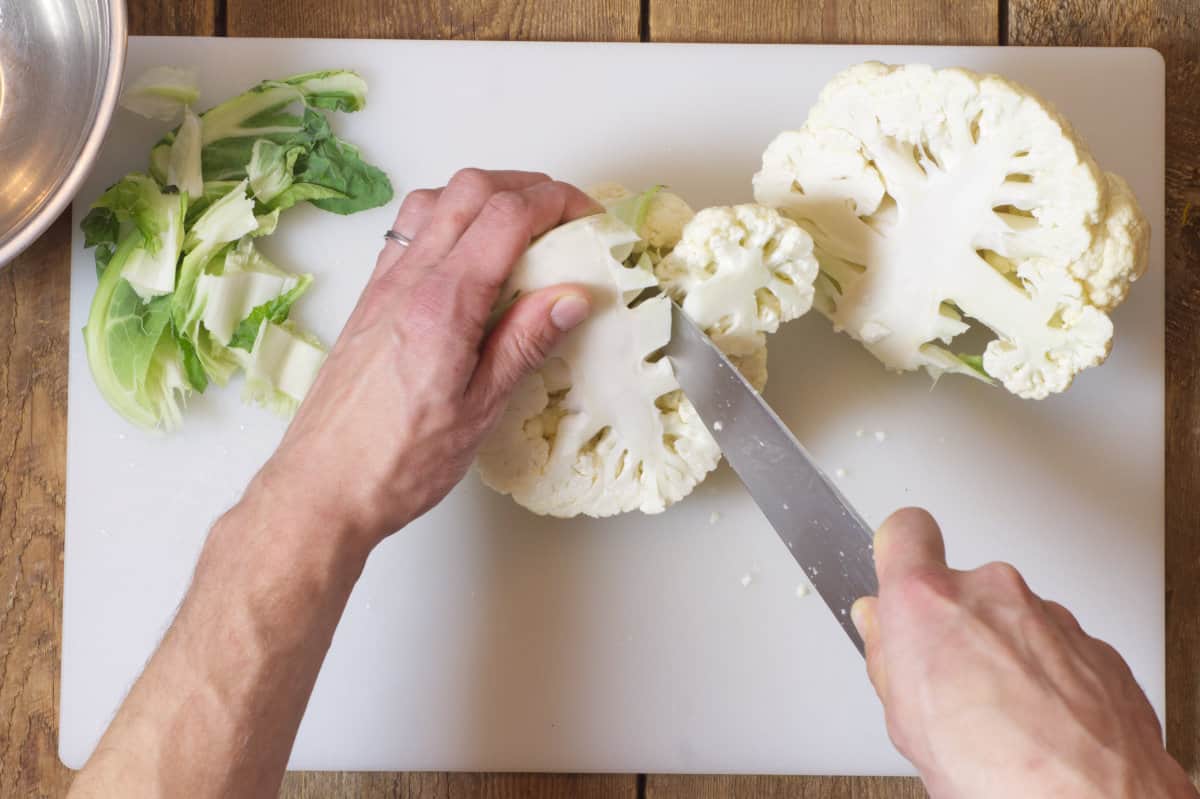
x,y
217,709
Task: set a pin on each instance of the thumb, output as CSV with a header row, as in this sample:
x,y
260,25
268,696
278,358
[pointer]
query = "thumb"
x,y
865,615
908,542
520,342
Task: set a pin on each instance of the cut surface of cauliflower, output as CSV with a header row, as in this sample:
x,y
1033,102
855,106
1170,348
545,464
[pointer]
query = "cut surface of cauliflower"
x,y
938,194
663,216
739,272
602,428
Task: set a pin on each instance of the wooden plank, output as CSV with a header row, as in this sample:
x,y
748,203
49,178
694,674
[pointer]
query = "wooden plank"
x,y
187,18
827,21
614,20
747,787
546,20
34,294
1172,27
328,785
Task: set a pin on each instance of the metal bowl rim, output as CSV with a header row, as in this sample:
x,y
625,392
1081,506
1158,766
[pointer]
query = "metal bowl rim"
x,y
70,185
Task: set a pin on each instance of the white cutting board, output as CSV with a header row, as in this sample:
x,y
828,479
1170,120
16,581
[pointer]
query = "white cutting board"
x,y
485,638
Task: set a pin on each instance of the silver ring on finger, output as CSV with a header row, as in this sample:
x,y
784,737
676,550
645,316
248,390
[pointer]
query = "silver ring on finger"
x,y
398,237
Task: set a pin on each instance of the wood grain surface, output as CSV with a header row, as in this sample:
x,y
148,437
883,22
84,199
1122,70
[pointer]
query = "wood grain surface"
x,y
33,459
180,18
829,21
558,20
1173,28
34,336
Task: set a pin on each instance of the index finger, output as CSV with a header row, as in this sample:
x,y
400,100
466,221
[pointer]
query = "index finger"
x,y
504,228
908,542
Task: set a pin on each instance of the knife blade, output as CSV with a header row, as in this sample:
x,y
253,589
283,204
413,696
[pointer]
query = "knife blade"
x,y
822,530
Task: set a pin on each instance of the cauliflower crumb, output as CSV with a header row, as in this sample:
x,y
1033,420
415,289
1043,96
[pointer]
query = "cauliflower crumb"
x,y
718,426
802,591
747,578
859,433
880,436
839,473
714,517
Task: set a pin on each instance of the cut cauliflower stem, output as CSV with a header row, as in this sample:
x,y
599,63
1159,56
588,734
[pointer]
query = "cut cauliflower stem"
x,y
934,194
603,428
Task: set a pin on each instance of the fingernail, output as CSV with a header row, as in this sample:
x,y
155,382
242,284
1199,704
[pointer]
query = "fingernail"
x,y
860,616
856,616
880,540
568,311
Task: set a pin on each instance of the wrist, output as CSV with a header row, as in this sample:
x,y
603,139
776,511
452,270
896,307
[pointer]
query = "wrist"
x,y
325,499
294,527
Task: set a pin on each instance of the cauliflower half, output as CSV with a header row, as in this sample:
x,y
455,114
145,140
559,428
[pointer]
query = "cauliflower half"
x,y
603,428
938,194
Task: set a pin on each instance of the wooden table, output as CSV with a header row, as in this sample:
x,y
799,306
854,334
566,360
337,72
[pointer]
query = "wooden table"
x,y
34,335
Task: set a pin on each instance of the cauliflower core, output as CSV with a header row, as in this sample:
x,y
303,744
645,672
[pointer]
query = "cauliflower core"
x,y
934,194
603,428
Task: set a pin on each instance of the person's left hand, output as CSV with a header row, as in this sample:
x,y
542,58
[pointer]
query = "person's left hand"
x,y
415,382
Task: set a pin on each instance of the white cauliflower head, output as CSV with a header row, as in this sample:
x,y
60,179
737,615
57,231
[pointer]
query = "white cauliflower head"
x,y
601,429
934,194
739,272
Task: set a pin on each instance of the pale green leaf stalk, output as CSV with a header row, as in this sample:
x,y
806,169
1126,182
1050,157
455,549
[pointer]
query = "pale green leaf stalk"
x,y
161,93
183,165
281,368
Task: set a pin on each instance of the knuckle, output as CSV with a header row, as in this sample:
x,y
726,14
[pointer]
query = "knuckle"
x,y
510,207
460,218
1107,651
562,187
1004,577
471,180
1062,615
419,201
529,351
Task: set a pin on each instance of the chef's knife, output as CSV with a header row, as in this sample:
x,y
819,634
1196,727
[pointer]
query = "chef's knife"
x,y
826,536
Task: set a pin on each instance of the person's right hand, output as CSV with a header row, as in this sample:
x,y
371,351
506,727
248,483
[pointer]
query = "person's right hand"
x,y
992,691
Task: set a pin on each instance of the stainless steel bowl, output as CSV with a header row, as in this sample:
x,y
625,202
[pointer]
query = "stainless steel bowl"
x,y
60,75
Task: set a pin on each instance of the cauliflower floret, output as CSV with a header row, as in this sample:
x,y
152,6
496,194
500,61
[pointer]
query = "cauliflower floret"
x,y
931,194
603,428
739,272
1119,255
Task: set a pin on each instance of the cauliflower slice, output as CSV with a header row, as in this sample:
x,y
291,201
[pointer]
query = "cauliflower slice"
x,y
739,272
931,194
602,428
